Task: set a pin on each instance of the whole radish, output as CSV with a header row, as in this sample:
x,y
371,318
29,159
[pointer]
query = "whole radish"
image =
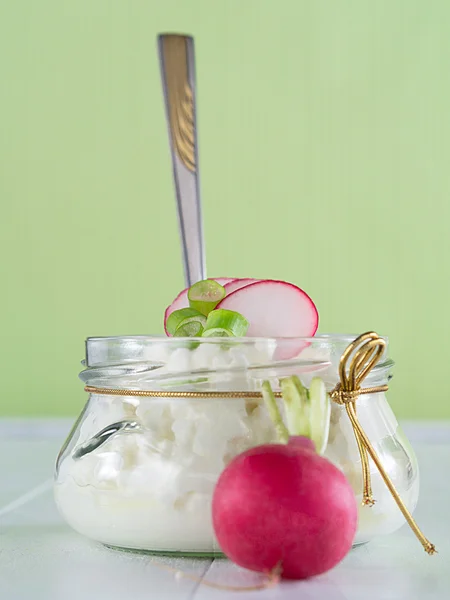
x,y
284,506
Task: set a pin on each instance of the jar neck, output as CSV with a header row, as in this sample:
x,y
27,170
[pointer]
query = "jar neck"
x,y
379,376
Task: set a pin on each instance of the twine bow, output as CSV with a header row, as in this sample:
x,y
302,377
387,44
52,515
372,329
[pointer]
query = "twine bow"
x,y
356,363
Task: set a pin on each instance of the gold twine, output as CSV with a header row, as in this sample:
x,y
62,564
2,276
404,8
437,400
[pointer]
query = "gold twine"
x,y
173,394
356,363
103,391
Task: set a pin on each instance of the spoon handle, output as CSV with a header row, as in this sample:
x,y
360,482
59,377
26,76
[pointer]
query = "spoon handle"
x,y
177,63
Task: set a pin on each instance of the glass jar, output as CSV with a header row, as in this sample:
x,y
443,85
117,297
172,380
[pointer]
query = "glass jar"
x,y
166,415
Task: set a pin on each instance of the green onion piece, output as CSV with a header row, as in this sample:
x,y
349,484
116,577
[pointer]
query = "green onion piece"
x,y
297,405
205,295
217,332
225,323
274,413
182,317
319,414
190,329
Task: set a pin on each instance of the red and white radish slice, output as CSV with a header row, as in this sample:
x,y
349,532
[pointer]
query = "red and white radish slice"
x,y
223,280
182,301
274,309
237,284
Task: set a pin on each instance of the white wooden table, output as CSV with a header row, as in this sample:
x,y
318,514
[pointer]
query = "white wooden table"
x,y
42,559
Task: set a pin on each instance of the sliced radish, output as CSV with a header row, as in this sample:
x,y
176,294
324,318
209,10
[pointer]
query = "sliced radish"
x,y
182,301
237,284
223,280
274,309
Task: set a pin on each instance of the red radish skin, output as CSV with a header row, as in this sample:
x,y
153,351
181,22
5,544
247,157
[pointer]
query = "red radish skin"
x,y
237,284
274,309
284,506
181,301
301,442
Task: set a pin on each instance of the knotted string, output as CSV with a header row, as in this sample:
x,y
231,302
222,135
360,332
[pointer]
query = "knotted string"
x,y
356,363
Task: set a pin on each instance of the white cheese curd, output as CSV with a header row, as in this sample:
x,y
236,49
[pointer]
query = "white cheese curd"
x,y
151,489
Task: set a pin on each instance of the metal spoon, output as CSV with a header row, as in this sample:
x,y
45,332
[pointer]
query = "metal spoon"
x,y
177,62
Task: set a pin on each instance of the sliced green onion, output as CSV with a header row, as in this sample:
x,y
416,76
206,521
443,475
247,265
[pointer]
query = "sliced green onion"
x,y
297,405
205,295
319,414
182,317
225,323
190,329
217,332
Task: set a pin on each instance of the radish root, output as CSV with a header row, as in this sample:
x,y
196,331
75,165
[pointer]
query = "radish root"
x,y
272,580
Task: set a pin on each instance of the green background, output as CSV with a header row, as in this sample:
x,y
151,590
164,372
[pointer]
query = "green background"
x,y
324,157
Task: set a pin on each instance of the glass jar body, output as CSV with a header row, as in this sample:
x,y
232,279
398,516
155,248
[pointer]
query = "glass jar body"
x,y
139,471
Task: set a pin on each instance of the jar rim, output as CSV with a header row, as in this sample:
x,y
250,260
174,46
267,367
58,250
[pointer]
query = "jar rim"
x,y
123,355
